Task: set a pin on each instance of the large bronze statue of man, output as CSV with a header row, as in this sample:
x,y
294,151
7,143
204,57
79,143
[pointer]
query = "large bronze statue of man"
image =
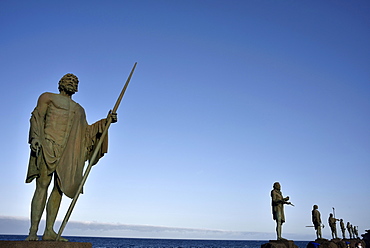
x,y
316,220
277,203
61,141
333,226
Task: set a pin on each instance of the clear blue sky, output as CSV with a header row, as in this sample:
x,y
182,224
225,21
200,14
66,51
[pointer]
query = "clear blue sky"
x,y
227,98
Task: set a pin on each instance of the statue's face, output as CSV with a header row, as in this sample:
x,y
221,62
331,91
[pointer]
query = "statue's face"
x,y
69,85
277,186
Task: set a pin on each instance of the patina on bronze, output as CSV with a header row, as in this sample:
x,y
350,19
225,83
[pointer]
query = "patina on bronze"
x,y
277,203
316,220
61,141
333,226
350,231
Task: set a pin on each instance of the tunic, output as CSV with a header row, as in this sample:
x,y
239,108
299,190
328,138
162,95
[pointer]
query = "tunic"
x,y
316,218
332,223
277,204
66,140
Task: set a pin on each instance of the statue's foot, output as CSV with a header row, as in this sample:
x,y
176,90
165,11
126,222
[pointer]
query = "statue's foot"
x,y
52,236
32,237
280,238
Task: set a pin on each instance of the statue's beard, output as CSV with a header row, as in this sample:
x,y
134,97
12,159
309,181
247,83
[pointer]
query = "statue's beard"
x,y
70,90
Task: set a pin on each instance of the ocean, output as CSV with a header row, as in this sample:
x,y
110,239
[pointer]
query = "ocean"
x,y
99,242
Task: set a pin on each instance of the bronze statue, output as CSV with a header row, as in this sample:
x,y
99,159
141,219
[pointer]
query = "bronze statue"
x,y
343,228
355,232
333,226
316,220
277,203
61,141
352,231
349,229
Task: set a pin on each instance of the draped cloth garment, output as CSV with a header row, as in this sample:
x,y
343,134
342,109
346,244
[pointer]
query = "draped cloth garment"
x,y
66,139
316,218
277,204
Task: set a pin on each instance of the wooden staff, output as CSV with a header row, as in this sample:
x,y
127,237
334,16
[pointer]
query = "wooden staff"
x,y
93,156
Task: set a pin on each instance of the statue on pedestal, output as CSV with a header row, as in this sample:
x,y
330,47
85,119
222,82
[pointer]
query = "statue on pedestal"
x,y
61,141
316,220
343,229
349,229
333,226
277,203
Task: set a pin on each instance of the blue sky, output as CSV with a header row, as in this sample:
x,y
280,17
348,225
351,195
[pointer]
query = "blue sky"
x,y
227,98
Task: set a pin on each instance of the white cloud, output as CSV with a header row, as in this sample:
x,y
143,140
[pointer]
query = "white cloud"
x,y
20,225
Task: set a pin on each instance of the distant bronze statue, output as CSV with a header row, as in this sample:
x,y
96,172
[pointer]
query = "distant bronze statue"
x,y
343,228
316,220
349,229
355,232
333,226
277,203
61,141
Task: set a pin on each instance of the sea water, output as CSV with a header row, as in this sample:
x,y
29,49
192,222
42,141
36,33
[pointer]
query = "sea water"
x,y
99,242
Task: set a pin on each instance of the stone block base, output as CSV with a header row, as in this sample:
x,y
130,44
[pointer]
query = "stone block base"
x,y
43,244
337,243
279,244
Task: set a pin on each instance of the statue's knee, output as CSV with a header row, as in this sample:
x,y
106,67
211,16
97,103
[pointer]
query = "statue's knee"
x,y
43,183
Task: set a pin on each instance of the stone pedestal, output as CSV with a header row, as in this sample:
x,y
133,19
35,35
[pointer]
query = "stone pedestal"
x,y
352,242
43,244
366,237
335,243
324,243
279,244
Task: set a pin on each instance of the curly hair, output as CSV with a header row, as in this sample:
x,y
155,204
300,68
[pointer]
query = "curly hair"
x,y
62,80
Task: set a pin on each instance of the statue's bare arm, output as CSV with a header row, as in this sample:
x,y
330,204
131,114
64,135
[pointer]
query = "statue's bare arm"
x,y
42,106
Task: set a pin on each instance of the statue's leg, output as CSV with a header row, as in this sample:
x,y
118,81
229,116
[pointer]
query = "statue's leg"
x,y
318,232
52,209
278,229
38,201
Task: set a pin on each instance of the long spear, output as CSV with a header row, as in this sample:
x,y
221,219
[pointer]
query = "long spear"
x,y
334,212
93,156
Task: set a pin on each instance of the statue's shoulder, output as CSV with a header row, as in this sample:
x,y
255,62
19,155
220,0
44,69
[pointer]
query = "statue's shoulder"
x,y
46,97
46,94
56,99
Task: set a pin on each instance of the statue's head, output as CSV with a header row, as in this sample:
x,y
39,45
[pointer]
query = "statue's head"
x,y
277,186
69,84
315,207
341,220
331,215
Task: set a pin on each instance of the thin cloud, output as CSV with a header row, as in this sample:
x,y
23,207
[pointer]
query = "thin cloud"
x,y
20,225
